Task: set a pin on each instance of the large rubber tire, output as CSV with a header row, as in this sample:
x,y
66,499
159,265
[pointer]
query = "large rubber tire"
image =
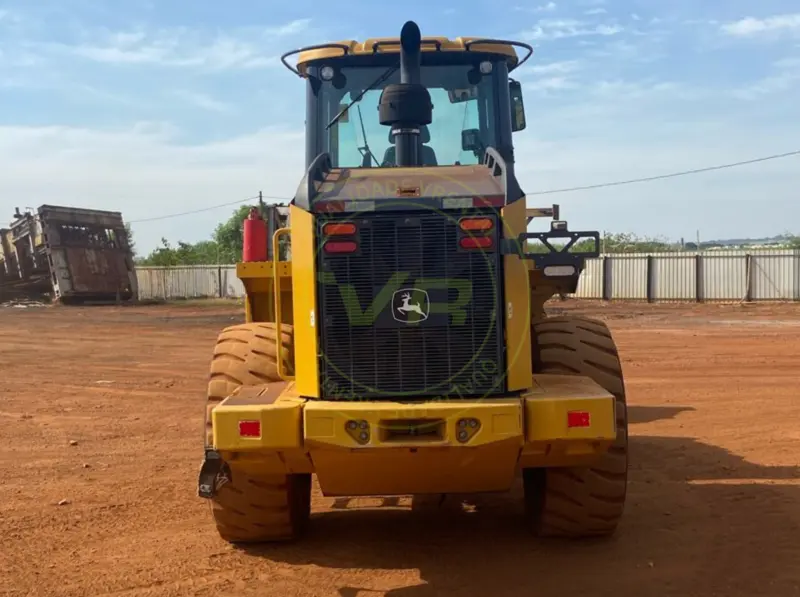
x,y
254,507
586,501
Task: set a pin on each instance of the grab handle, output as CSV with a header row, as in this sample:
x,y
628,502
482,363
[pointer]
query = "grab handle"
x,y
276,285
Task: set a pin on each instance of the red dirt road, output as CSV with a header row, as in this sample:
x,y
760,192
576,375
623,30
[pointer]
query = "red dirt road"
x,y
714,502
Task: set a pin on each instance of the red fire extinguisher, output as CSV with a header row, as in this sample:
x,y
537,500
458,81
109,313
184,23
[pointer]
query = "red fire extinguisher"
x,y
254,237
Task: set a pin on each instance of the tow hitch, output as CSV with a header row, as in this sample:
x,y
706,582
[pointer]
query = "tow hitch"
x,y
214,473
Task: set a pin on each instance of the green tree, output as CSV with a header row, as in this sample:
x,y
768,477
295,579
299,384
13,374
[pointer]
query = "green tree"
x,y
131,243
225,246
229,235
203,253
619,242
631,243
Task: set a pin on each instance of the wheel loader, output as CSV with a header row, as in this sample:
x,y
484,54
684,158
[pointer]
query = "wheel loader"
x,y
399,345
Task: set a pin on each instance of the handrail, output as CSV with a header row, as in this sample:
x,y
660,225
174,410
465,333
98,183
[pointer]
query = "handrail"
x,y
276,285
503,42
337,46
346,50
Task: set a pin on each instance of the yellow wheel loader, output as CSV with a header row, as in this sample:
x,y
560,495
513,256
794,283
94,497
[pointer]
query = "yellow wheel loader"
x,y
395,340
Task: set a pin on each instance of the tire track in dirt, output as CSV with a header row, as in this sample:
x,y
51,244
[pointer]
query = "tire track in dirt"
x,y
713,506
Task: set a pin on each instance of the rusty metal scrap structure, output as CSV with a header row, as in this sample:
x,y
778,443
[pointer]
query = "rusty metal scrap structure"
x,y
69,254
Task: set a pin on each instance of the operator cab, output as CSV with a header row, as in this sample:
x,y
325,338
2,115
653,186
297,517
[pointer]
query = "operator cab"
x,y
475,104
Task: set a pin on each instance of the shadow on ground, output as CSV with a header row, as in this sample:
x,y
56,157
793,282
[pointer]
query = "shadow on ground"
x,y
699,521
650,414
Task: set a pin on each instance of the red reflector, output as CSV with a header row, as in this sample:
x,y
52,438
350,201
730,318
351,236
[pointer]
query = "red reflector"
x,y
250,428
491,201
340,246
476,242
579,418
337,229
329,206
476,224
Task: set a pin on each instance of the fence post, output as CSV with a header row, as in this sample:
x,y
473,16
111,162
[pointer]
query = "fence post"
x,y
698,278
606,286
796,274
219,282
748,278
165,286
650,279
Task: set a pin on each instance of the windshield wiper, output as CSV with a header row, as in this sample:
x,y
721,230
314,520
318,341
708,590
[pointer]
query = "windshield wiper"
x,y
365,150
370,87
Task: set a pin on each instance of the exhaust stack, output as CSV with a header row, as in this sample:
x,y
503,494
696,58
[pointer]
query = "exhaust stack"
x,y
407,106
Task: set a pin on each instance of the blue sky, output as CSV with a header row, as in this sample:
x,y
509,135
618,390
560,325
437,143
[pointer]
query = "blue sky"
x,y
154,107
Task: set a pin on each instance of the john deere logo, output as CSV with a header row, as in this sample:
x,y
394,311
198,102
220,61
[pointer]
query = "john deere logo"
x,y
410,305
436,301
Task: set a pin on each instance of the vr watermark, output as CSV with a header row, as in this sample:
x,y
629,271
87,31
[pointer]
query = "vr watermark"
x,y
407,302
411,300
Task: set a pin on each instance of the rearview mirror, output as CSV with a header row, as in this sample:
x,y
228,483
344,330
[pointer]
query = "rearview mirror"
x,y
471,141
517,106
458,96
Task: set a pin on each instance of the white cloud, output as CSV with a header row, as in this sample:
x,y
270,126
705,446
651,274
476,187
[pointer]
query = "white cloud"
x,y
173,48
546,84
784,76
596,11
615,127
201,100
238,49
622,51
768,85
9,17
561,67
751,26
549,7
550,29
623,130
290,28
144,171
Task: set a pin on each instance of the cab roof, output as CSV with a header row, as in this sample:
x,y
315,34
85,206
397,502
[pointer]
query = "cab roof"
x,y
391,45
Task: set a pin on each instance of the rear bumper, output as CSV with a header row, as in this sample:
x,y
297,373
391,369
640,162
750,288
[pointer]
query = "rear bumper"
x,y
372,448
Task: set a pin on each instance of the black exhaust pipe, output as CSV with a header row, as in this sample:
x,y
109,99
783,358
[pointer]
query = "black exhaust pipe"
x,y
407,106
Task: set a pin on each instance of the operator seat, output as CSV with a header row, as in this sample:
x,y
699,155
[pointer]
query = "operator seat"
x,y
428,155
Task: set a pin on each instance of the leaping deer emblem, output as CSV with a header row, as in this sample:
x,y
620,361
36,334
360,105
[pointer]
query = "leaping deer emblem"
x,y
408,307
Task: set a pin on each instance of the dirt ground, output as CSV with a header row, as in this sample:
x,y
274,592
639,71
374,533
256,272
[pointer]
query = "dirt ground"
x,y
714,499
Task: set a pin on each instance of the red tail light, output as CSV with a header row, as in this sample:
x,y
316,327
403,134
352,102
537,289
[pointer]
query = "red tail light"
x,y
476,224
343,229
490,201
578,418
476,242
340,246
250,428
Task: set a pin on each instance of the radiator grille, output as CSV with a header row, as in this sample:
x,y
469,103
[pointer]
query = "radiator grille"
x,y
392,350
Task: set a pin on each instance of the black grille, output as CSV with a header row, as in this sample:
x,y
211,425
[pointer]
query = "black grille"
x,y
392,351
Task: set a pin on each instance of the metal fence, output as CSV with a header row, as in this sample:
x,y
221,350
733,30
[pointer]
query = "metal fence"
x,y
189,282
758,275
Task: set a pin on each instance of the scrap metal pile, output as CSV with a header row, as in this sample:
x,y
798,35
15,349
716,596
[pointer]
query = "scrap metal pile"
x,y
66,254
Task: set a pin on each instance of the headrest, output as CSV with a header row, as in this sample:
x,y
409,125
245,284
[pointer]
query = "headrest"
x,y
424,135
